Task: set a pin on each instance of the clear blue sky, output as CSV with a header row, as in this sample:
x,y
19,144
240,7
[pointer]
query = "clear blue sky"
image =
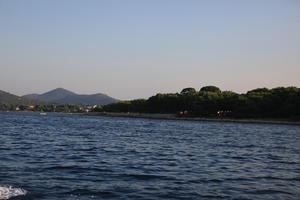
x,y
134,49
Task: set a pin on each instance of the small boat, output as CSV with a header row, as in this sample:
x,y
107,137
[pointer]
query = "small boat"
x,y
43,113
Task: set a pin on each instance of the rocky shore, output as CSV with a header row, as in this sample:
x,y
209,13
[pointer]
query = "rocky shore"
x,y
174,117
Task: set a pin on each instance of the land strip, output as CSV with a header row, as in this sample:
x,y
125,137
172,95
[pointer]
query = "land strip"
x,y
174,117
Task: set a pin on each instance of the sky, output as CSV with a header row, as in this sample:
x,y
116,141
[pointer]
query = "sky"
x,y
136,48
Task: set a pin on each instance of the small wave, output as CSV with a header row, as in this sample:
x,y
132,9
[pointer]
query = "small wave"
x,y
85,192
60,167
269,191
7,192
146,176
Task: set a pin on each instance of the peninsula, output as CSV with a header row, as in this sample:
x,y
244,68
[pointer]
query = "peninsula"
x,y
281,104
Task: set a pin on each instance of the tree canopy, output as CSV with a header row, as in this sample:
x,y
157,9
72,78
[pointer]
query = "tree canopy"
x,y
210,88
188,90
210,101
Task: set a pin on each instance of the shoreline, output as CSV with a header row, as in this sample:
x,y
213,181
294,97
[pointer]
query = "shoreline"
x,y
174,117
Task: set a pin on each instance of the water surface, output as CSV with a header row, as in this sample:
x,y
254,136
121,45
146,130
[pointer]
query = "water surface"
x,y
72,157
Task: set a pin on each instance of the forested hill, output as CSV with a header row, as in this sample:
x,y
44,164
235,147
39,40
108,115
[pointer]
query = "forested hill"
x,y
7,98
61,95
210,101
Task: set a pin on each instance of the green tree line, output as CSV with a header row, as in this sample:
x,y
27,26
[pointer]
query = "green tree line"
x,y
210,101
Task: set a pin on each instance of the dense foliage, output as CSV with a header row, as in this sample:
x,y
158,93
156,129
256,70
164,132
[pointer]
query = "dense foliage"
x,y
210,101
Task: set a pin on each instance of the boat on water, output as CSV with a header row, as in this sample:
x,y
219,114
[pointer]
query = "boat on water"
x,y
43,113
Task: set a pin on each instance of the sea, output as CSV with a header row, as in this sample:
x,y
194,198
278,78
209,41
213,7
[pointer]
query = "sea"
x,y
75,157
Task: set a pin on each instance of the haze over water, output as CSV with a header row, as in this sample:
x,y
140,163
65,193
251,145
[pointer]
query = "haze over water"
x,y
62,156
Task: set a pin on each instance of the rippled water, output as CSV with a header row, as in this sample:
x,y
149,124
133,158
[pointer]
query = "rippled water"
x,y
70,157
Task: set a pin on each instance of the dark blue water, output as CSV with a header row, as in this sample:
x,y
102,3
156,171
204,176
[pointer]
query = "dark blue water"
x,y
70,157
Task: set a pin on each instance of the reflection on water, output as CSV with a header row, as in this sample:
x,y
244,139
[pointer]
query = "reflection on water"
x,y
61,156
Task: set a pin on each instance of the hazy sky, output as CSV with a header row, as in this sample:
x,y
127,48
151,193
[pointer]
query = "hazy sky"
x,y
133,49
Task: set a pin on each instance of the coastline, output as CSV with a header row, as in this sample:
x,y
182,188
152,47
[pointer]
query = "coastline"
x,y
174,117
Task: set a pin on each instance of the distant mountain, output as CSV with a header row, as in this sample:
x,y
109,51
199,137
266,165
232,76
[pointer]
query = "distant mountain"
x,y
51,96
31,96
7,98
60,95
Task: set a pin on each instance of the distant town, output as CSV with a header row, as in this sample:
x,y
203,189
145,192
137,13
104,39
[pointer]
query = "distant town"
x,y
57,100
